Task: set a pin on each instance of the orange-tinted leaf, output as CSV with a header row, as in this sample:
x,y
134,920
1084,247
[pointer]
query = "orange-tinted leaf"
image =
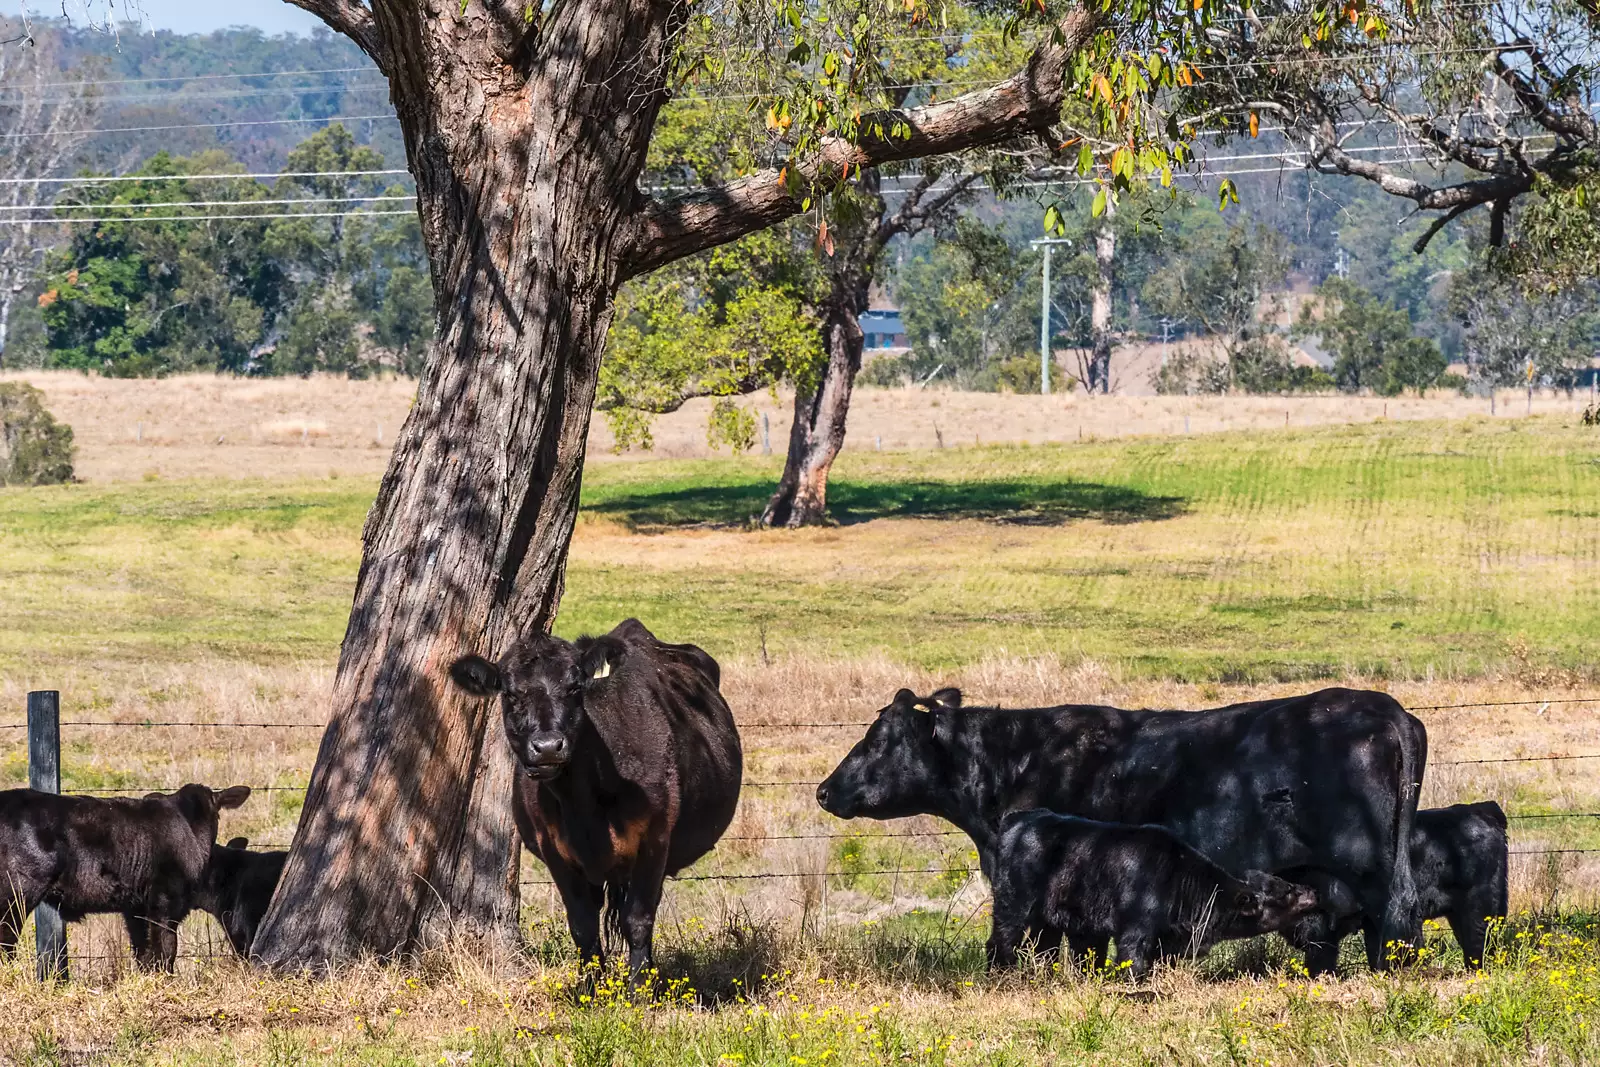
x,y
1255,124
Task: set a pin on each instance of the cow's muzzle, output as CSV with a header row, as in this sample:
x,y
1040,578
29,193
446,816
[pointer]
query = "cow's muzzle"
x,y
835,801
545,757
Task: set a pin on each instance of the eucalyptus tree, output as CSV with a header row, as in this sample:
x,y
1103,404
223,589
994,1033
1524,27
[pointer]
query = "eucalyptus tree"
x,y
42,122
1448,105
527,128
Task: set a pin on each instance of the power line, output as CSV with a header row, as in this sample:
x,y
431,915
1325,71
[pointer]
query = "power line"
x,y
205,218
211,77
202,126
183,98
195,203
104,178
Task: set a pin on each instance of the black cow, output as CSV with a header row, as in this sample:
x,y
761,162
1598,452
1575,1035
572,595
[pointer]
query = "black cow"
x,y
143,857
1459,860
1328,780
237,888
1138,884
630,767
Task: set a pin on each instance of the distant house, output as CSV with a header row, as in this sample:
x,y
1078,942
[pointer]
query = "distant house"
x,y
884,330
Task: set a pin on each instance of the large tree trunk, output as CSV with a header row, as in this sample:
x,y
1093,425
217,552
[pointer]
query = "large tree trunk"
x,y
523,189
1105,251
817,433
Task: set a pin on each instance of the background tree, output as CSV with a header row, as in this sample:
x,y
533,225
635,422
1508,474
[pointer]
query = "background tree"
x,y
156,297
721,324
1373,343
1097,377
42,119
282,290
967,309
1508,330
1222,279
1450,106
864,226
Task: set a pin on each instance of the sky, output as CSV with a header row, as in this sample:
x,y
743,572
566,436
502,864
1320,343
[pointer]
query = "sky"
x,y
193,16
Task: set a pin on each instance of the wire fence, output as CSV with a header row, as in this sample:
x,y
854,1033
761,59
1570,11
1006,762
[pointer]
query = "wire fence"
x,y
851,873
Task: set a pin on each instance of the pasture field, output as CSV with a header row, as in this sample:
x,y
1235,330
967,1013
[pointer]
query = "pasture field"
x,y
211,426
1451,563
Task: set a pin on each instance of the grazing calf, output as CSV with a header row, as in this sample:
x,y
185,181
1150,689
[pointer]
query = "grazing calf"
x,y
237,888
1459,859
1328,780
143,857
1138,884
629,768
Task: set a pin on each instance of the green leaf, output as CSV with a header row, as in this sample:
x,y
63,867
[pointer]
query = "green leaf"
x,y
1098,208
1085,159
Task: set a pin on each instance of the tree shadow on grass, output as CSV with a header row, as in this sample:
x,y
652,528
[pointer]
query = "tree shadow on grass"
x,y
1016,502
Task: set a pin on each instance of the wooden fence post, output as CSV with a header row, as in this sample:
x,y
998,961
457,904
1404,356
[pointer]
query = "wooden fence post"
x,y
44,774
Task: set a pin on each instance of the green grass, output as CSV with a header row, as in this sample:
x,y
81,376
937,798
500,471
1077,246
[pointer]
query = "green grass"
x,y
1388,550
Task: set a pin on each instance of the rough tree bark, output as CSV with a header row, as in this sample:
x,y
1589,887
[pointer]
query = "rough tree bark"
x,y
526,133
821,409
1105,252
817,433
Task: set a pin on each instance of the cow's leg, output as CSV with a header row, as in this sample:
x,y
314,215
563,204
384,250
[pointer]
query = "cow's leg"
x,y
1135,950
1382,956
13,914
1011,918
154,941
1005,936
1471,931
639,914
1322,957
582,902
1049,941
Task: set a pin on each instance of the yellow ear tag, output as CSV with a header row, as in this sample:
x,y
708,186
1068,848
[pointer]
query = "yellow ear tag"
x,y
604,671
923,705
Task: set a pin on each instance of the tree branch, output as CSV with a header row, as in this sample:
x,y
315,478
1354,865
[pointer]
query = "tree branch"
x,y
670,229
351,18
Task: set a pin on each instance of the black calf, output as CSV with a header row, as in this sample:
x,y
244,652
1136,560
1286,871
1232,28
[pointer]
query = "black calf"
x,y
143,857
1095,881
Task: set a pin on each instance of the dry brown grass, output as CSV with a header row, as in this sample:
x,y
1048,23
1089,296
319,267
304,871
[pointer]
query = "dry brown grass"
x,y
204,426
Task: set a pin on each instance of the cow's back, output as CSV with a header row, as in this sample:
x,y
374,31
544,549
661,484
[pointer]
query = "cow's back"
x,y
1264,785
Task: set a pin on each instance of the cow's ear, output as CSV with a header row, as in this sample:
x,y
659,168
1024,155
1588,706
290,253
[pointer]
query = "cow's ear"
x,y
239,842
948,698
232,797
905,699
1247,903
477,676
599,660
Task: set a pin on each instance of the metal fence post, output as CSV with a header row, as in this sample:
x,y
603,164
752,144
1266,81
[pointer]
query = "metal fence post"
x,y
44,774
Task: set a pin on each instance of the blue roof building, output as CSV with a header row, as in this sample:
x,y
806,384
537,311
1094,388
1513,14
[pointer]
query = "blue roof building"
x,y
883,329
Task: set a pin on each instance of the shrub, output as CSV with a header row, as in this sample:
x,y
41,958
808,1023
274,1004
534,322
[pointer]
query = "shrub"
x,y
35,449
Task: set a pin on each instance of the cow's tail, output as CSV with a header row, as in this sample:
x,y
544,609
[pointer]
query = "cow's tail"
x,y
1400,925
616,907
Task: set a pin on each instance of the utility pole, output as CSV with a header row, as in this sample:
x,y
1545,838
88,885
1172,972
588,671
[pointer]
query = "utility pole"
x,y
1047,243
